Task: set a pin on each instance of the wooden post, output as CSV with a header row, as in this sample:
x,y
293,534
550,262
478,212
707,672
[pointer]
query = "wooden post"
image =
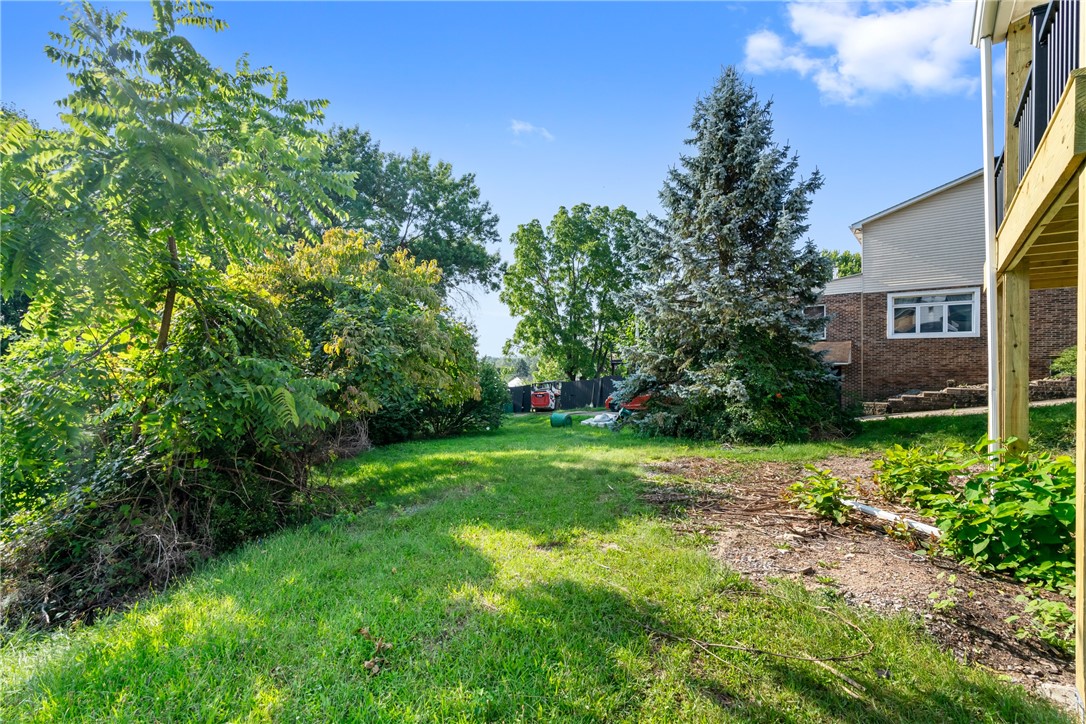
x,y
1014,353
995,318
1080,453
1019,60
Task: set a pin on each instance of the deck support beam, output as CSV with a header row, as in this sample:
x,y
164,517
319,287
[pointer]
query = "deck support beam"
x,y
1014,353
1080,453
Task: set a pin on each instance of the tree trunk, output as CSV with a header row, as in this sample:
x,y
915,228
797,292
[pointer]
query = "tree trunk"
x,y
171,295
164,325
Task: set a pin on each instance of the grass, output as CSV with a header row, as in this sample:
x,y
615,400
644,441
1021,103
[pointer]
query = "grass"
x,y
1051,428
517,577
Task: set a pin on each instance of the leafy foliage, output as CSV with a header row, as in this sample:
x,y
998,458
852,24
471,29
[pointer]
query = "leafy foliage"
x,y
999,511
377,327
1052,622
723,343
158,145
911,474
222,454
1066,363
821,493
845,263
154,404
566,285
442,419
417,204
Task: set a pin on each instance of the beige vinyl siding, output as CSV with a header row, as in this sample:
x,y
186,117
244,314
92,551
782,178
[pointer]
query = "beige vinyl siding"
x,y
935,242
845,285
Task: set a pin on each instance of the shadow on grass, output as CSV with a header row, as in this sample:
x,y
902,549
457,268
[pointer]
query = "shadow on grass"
x,y
955,700
1051,428
462,567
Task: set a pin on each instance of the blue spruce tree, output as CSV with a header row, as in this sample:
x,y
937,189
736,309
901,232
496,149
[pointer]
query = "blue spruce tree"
x,y
723,343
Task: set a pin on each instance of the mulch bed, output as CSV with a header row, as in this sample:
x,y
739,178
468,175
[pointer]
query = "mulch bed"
x,y
742,506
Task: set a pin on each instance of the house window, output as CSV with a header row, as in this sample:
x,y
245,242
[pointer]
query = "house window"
x,y
817,311
949,313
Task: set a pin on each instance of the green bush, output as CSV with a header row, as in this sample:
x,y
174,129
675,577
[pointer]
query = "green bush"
x,y
1002,511
764,394
1066,363
914,475
378,328
225,421
1052,622
412,418
822,494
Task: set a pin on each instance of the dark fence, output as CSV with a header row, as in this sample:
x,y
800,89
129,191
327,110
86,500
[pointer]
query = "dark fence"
x,y
575,394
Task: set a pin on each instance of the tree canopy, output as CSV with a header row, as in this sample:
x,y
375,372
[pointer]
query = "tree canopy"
x,y
417,204
158,149
183,358
845,263
565,283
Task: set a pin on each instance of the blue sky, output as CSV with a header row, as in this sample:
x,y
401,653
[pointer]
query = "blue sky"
x,y
552,104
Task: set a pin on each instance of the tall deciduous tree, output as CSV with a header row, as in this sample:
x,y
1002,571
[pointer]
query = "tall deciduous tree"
x,y
566,282
165,163
723,342
845,263
166,169
419,205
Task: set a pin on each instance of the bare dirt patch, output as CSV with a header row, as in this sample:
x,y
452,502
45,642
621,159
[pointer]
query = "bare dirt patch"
x,y
743,508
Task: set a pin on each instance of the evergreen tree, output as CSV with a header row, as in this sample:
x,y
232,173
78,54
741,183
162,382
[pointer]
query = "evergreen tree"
x,y
723,343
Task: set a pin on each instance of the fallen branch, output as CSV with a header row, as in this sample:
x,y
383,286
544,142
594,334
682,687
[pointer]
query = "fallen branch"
x,y
848,680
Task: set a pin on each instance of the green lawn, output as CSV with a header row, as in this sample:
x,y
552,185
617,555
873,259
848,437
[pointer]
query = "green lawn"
x,y
516,576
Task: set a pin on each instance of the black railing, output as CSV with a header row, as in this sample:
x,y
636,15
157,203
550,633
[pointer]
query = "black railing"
x,y
999,195
1055,55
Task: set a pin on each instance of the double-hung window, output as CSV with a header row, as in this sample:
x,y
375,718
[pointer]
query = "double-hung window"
x,y
947,313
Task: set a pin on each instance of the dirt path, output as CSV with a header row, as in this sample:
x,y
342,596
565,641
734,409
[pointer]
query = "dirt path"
x,y
741,506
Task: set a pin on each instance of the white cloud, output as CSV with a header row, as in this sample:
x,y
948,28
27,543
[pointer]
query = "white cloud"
x,y
855,51
523,127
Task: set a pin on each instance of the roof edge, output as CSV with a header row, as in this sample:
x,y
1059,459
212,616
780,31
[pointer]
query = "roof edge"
x,y
984,20
858,227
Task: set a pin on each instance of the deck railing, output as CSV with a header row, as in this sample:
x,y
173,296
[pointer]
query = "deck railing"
x,y
999,190
1055,55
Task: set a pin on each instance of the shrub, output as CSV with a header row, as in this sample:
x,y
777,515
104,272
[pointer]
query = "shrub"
x,y
1052,622
479,413
220,453
822,494
410,418
914,475
747,400
1066,363
376,327
999,511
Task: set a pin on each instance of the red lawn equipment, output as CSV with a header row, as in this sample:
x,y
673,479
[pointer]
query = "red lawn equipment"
x,y
637,404
545,399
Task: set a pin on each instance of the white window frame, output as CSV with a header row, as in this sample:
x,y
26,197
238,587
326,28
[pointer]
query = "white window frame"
x,y
974,332
823,317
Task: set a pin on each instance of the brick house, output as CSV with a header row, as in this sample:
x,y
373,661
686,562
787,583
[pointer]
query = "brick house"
x,y
915,318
